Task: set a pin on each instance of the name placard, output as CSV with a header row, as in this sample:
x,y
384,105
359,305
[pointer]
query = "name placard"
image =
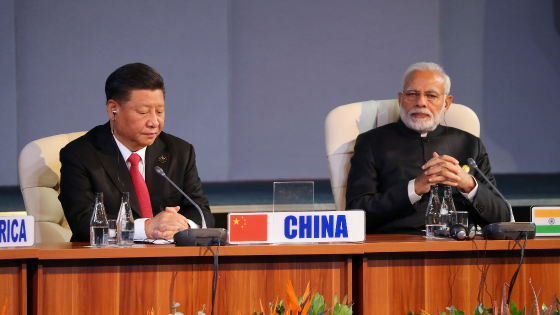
x,y
296,227
17,231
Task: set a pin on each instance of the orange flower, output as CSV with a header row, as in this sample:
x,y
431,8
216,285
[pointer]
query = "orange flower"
x,y
304,298
306,292
291,299
308,304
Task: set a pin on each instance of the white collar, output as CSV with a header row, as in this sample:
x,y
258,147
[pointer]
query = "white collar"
x,y
126,152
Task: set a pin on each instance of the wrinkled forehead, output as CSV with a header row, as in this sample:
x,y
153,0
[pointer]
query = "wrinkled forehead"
x,y
425,80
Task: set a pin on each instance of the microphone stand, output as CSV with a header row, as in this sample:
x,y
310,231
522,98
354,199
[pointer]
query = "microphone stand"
x,y
472,163
505,230
196,237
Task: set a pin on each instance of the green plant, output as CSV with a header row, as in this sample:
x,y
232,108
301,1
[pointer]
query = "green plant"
x,y
505,309
276,307
318,305
480,310
550,309
341,309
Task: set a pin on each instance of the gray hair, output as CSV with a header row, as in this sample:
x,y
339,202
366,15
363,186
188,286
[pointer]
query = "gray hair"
x,y
427,66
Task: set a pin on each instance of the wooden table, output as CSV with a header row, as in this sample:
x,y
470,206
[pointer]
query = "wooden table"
x,y
73,279
399,273
388,274
13,278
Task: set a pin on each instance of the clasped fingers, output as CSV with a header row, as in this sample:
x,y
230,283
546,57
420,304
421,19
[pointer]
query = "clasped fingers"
x,y
443,169
449,161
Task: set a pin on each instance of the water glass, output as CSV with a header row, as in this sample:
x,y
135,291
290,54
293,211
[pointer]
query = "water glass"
x,y
462,218
112,232
125,233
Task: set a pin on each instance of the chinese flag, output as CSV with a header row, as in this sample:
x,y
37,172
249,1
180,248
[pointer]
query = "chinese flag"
x,y
248,227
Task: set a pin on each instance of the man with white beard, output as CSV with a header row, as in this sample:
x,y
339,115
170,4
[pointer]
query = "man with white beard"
x,y
394,165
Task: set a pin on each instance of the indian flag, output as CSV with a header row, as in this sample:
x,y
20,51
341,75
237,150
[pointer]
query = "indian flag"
x,y
547,220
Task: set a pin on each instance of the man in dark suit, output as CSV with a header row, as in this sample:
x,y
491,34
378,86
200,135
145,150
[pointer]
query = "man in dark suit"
x,y
120,156
393,166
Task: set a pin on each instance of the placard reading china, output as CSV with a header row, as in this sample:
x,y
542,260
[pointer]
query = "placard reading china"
x,y
296,227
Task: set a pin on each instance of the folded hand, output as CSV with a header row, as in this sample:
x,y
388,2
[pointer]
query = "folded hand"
x,y
165,224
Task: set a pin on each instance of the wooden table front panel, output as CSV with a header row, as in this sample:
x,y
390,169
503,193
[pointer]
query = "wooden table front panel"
x,y
13,286
135,285
394,283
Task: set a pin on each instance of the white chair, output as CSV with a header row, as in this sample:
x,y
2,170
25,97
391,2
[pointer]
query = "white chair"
x,y
39,180
345,123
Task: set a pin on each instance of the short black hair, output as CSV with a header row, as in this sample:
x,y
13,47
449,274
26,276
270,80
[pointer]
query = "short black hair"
x,y
133,76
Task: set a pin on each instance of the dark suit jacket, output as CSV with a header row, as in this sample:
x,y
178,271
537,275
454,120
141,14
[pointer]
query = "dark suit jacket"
x,y
89,165
387,158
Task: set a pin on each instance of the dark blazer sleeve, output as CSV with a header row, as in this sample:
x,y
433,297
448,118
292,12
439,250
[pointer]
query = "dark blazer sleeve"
x,y
192,186
76,194
487,206
363,190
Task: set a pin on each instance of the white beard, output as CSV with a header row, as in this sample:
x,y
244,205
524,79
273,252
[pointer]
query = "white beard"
x,y
422,125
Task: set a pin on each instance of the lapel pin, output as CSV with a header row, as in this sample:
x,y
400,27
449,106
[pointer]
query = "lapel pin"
x,y
162,159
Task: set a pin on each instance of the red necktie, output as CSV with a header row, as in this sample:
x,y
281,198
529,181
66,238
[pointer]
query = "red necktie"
x,y
140,187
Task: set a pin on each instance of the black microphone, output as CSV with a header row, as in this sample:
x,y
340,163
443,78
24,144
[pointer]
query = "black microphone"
x,y
504,230
472,163
196,237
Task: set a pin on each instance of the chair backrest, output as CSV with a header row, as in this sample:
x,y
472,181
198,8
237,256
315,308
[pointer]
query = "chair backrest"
x,y
39,180
346,122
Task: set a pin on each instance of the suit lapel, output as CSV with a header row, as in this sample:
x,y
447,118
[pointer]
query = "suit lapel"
x,y
155,154
108,154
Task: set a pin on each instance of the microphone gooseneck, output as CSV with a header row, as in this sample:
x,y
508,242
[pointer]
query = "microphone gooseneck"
x,y
472,163
162,173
